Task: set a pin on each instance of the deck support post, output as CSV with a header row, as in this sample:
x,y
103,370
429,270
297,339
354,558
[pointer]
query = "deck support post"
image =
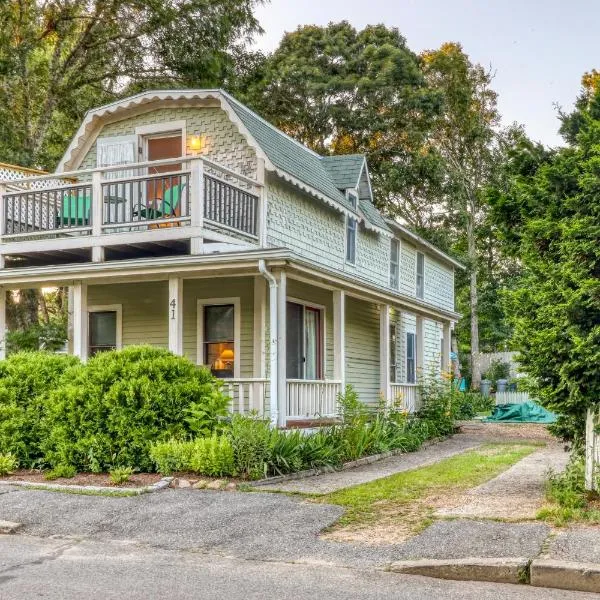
x,y
2,218
339,337
384,352
281,349
197,202
3,292
176,315
79,310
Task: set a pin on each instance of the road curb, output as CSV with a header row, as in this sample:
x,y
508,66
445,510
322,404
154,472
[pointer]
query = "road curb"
x,y
92,489
565,575
498,570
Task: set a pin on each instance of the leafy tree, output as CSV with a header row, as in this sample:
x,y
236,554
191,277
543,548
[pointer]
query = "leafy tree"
x,y
465,136
339,90
550,217
60,58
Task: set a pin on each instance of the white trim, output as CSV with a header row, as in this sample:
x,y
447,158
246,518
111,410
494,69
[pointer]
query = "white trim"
x,y
398,264
118,308
259,366
323,310
339,336
80,320
417,252
2,323
175,315
384,351
237,328
346,261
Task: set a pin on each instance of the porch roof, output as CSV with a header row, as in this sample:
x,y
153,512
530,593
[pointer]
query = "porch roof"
x,y
239,263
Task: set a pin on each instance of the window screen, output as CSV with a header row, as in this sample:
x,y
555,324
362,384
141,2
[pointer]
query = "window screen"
x,y
103,331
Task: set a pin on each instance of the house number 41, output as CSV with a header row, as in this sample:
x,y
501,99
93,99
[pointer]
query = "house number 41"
x,y
173,304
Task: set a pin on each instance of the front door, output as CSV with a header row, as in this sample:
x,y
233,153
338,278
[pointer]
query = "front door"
x,y
163,193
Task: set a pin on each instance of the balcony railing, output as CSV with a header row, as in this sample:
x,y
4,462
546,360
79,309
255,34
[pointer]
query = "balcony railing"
x,y
130,198
312,398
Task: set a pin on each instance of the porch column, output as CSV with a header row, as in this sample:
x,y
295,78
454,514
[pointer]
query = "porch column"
x,y
384,351
3,292
281,349
80,320
2,219
197,203
176,315
339,337
420,347
447,340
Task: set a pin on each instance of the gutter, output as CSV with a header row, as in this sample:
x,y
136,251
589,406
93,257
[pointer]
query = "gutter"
x,y
273,344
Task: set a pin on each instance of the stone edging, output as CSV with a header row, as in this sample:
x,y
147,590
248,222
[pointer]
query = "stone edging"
x,y
93,489
365,460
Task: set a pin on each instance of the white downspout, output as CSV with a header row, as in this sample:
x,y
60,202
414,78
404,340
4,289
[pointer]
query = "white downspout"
x,y
273,405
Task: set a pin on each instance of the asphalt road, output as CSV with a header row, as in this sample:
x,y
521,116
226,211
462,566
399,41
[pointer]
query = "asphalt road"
x,y
33,567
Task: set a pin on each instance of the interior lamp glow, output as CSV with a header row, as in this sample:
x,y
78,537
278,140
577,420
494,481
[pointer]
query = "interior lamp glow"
x,y
227,354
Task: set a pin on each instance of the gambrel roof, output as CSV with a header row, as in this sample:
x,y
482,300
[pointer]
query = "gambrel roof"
x,y
323,177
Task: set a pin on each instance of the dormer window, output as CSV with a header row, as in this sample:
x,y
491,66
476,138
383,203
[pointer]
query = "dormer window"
x,y
352,197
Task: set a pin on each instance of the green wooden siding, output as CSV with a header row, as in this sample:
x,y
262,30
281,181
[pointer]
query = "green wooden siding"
x,y
362,349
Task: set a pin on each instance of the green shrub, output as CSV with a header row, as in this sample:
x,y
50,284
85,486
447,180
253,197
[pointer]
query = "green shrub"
x,y
436,406
322,449
8,464
250,437
213,456
26,379
285,451
113,408
121,475
171,456
568,488
498,369
66,471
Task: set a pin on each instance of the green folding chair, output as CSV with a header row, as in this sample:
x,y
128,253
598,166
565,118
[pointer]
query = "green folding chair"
x,y
74,212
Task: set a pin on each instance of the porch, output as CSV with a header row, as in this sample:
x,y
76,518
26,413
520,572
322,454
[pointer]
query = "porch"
x,y
181,205
284,344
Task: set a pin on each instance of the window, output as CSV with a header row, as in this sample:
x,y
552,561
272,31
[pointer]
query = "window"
x,y
352,197
219,339
393,342
351,224
104,323
395,264
420,275
411,358
304,347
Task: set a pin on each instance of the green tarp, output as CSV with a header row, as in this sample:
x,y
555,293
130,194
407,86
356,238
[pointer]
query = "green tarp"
x,y
527,412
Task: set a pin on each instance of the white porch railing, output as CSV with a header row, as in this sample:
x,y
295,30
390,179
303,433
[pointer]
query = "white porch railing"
x,y
247,395
130,197
512,397
406,394
312,398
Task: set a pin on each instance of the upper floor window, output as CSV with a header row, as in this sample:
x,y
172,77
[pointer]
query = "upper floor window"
x,y
352,197
420,275
351,226
395,264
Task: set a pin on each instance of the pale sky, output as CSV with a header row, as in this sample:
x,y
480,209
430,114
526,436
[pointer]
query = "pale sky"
x,y
538,49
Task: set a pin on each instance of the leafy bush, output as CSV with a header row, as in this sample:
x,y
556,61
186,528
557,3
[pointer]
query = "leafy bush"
x,y
8,464
66,471
498,369
285,451
438,401
121,475
171,456
213,456
113,408
568,488
26,379
250,438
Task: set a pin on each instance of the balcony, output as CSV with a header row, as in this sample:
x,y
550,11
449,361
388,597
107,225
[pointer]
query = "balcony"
x,y
142,205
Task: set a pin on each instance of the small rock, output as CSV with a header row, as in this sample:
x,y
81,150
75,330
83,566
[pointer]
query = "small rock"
x,y
184,483
217,484
231,487
200,485
174,482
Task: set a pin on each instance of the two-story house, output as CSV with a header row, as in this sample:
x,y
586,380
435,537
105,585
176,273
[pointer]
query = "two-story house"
x,y
183,220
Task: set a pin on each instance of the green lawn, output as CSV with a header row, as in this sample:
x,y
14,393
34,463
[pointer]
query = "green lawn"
x,y
404,499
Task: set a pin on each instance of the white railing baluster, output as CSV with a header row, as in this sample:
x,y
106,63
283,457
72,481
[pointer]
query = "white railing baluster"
x,y
312,398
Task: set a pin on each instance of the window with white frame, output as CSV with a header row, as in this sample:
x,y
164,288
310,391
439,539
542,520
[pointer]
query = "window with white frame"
x,y
104,328
352,197
394,264
420,275
351,227
219,336
411,357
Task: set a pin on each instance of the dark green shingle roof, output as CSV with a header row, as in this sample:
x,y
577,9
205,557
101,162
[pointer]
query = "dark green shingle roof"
x,y
326,174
